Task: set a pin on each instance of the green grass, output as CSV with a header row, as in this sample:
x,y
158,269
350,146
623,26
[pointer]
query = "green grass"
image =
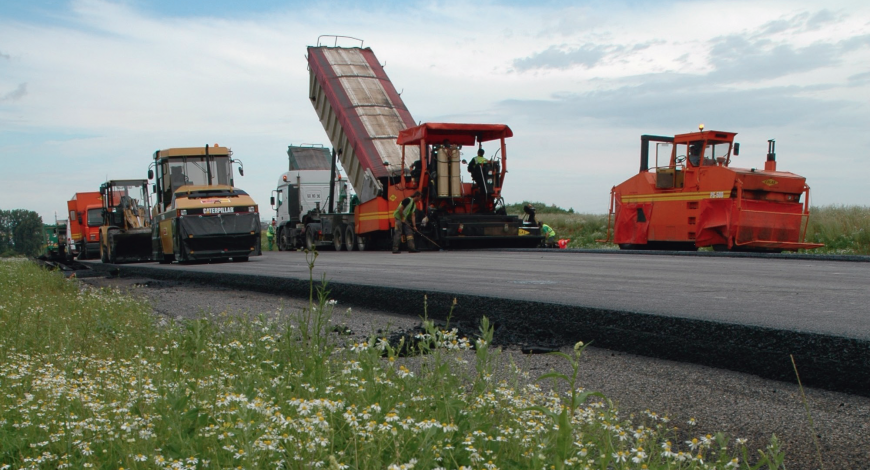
x,y
843,229
92,379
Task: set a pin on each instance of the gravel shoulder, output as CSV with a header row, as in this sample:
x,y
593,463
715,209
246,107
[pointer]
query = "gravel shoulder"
x,y
739,404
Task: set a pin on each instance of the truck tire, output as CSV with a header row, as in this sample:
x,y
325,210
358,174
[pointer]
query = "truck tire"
x,y
349,239
309,238
282,244
361,242
338,238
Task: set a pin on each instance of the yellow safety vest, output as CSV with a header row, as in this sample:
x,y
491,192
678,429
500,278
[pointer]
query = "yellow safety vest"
x,y
409,209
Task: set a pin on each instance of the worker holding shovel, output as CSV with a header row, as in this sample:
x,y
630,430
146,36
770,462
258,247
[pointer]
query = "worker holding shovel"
x,y
406,223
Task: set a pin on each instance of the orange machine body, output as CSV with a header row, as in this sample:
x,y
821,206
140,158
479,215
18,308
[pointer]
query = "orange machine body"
x,y
691,198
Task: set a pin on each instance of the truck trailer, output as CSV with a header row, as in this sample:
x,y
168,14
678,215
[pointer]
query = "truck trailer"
x,y
387,157
199,214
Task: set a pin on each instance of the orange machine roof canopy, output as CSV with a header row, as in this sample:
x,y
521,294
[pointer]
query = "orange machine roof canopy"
x,y
461,134
705,135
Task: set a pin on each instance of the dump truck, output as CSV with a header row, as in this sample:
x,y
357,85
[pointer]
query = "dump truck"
x,y
125,235
85,219
387,157
304,193
199,214
691,197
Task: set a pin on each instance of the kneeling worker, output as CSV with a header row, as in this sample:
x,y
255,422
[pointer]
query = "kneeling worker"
x,y
549,235
406,223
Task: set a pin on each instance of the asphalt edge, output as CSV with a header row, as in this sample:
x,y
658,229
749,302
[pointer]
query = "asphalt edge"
x,y
823,361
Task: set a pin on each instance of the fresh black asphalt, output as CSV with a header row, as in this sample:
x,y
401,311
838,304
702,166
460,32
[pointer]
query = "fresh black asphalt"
x,y
748,314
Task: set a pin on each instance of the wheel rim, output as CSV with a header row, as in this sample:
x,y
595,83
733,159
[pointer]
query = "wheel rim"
x,y
349,242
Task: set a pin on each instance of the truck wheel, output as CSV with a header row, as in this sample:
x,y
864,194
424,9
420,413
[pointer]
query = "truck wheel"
x,y
337,238
349,239
309,238
361,241
110,243
282,243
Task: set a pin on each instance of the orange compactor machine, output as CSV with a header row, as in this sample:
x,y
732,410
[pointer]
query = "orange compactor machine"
x,y
693,198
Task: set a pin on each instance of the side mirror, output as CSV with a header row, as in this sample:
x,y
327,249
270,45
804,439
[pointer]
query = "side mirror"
x,y
737,148
272,200
241,171
150,174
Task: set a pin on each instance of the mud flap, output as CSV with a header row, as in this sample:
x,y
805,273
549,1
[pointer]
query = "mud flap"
x,y
632,223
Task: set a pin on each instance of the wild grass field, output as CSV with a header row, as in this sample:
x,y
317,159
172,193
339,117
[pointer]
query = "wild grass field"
x,y
93,379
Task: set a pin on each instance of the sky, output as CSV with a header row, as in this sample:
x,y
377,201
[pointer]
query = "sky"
x,y
89,89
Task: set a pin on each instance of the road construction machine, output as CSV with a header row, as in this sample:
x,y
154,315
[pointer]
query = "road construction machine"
x,y
199,214
125,235
85,219
387,157
54,235
691,197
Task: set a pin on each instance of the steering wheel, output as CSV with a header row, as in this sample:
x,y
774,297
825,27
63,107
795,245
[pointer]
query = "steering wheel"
x,y
681,159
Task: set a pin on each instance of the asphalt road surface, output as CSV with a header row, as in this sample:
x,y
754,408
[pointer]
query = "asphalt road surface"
x,y
819,297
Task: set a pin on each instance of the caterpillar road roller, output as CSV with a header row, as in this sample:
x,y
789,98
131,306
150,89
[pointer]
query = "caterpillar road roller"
x,y
691,197
199,214
125,235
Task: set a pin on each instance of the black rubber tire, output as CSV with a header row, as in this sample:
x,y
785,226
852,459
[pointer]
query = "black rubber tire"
x,y
361,242
349,239
240,259
338,238
309,239
280,237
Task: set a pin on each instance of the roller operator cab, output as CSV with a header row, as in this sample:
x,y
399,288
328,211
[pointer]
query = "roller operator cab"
x,y
125,235
199,214
690,197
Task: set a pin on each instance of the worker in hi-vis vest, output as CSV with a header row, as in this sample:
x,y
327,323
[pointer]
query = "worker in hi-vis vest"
x,y
406,223
549,235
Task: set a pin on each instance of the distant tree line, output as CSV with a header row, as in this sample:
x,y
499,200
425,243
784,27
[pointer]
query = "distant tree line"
x,y
20,233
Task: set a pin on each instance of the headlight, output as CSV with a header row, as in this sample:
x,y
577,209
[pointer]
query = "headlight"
x,y
182,212
252,209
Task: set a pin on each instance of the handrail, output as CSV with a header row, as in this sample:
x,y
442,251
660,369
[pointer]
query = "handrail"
x,y
609,214
335,36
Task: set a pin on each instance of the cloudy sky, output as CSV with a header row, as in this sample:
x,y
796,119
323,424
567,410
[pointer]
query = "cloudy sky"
x,y
89,89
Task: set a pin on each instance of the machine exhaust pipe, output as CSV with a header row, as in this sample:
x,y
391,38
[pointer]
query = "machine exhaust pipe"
x,y
770,164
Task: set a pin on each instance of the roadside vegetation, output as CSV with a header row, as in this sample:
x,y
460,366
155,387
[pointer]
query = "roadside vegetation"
x,y
844,230
92,379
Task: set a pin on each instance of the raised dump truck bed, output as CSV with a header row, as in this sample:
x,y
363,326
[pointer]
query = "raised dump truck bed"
x,y
362,114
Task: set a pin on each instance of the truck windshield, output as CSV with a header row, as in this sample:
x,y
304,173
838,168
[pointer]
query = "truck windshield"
x,y
95,217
